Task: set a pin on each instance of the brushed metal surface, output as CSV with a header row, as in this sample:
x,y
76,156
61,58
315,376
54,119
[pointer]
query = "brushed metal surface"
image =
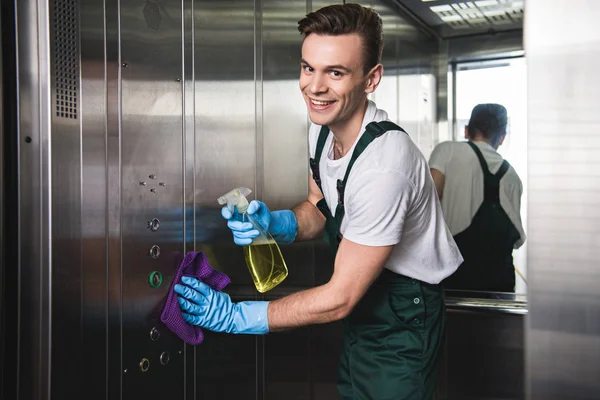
x,y
483,356
151,152
66,197
114,317
3,307
94,205
228,113
10,207
189,181
201,96
35,199
283,157
563,332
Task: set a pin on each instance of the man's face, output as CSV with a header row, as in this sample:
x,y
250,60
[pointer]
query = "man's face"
x,y
332,78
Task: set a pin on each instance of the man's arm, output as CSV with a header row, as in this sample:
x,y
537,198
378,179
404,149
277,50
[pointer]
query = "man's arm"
x,y
311,221
356,268
438,179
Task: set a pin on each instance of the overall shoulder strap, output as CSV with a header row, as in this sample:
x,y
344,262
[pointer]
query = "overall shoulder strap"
x,y
379,128
503,168
482,162
372,132
314,162
321,142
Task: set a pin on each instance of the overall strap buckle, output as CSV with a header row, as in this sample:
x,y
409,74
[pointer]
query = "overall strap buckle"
x,y
314,167
341,188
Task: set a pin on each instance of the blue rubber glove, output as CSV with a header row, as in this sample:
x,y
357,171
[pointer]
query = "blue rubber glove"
x,y
207,308
282,225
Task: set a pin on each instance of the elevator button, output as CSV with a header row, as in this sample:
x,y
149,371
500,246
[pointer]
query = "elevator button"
x,y
164,358
154,224
155,279
154,334
155,252
144,365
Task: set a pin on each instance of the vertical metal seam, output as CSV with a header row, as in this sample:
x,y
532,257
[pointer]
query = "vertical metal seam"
x,y
19,230
45,170
119,191
2,208
183,131
81,201
193,60
106,208
183,167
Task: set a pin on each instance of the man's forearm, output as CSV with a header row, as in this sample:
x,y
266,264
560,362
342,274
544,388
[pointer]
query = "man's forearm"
x,y
314,306
311,221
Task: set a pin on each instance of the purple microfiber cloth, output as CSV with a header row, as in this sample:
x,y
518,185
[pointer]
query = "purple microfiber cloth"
x,y
193,264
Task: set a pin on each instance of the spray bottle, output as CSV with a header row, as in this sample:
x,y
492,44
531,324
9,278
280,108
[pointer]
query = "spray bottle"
x,y
263,257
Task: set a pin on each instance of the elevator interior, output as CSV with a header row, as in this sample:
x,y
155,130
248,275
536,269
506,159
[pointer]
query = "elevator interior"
x,y
122,123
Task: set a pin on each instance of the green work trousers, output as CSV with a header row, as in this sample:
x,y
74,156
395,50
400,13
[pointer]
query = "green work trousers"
x,y
392,341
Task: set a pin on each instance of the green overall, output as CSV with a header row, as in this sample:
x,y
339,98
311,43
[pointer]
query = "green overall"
x,y
487,244
392,338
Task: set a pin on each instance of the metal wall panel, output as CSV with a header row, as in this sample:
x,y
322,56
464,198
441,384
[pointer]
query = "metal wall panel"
x,y
189,184
171,104
152,188
563,333
66,195
94,188
284,145
114,318
35,332
227,117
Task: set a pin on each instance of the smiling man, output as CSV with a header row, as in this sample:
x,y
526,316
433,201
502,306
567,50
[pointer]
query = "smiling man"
x,y
373,199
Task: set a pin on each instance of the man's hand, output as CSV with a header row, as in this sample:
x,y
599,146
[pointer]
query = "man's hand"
x,y
207,308
282,225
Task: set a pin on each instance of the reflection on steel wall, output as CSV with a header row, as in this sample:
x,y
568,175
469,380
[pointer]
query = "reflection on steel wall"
x,y
563,332
134,116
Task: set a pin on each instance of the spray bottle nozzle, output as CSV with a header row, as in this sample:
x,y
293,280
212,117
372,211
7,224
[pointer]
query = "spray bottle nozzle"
x,y
236,197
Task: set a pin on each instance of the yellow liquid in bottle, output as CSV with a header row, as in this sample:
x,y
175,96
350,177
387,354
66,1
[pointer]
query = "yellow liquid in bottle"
x,y
266,265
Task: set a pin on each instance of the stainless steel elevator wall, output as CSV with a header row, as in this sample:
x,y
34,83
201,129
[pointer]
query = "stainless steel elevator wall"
x,y
131,111
563,331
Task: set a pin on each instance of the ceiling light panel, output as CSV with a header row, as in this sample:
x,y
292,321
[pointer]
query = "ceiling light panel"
x,y
480,13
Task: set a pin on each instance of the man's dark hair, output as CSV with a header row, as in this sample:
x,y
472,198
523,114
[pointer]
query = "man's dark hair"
x,y
345,19
489,120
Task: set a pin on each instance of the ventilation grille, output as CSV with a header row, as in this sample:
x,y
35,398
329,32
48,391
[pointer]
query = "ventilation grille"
x,y
152,15
65,54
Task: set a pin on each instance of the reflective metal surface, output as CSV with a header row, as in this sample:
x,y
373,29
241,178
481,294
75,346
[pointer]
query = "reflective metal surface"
x,y
3,297
66,194
35,187
177,103
9,264
491,302
228,115
483,356
563,329
94,217
151,151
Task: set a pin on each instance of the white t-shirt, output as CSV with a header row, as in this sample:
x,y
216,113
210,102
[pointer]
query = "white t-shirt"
x,y
390,199
463,184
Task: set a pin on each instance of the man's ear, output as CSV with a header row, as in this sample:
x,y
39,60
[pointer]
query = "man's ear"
x,y
373,78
